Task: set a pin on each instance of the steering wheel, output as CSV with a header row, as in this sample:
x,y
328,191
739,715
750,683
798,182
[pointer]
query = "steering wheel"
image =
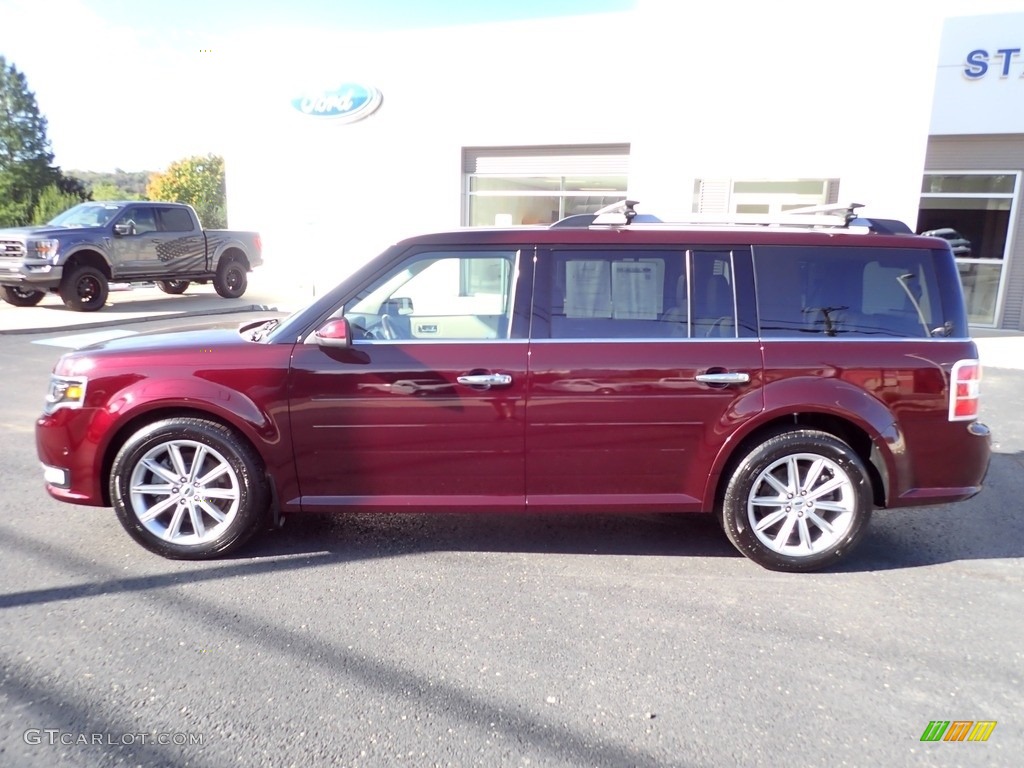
x,y
391,330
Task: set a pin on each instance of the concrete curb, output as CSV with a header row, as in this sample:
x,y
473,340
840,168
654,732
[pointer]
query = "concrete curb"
x,y
131,320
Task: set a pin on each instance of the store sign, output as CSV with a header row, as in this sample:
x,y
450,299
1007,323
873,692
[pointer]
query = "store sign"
x,y
980,62
346,103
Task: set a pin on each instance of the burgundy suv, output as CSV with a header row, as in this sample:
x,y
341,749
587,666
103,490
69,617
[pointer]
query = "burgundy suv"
x,y
787,379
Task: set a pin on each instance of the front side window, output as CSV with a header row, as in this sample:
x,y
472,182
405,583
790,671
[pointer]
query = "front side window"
x,y
140,219
839,292
439,296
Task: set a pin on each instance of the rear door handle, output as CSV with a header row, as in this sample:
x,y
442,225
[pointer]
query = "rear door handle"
x,y
723,378
485,380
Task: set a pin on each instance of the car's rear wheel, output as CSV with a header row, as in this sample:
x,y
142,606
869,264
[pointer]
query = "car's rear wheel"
x,y
174,287
22,297
188,488
231,279
798,501
84,289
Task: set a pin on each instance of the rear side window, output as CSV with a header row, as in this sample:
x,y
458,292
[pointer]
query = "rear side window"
x,y
640,294
620,294
175,220
849,292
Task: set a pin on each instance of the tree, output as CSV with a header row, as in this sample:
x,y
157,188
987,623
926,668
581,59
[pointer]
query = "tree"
x,y
26,168
198,181
104,190
52,201
116,185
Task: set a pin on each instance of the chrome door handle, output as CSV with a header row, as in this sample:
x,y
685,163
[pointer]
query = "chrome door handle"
x,y
723,378
485,380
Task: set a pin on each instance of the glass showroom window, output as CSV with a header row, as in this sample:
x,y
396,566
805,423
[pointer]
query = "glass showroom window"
x,y
511,200
768,196
973,211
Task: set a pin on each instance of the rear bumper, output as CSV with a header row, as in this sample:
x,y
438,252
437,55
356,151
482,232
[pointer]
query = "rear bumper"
x,y
965,470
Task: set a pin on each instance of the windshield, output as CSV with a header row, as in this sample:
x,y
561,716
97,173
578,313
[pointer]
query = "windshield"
x,y
86,215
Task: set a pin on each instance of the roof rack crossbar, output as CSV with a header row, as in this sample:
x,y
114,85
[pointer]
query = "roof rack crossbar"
x,y
830,216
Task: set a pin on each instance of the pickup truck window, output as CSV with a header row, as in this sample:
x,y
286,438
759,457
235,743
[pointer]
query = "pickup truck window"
x,y
141,220
175,220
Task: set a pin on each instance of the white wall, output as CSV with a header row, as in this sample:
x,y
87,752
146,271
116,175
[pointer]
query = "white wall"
x,y
993,100
723,90
786,90
352,189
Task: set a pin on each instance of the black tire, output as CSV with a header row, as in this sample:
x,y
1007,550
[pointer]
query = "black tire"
x,y
174,287
22,297
822,514
231,279
84,289
188,520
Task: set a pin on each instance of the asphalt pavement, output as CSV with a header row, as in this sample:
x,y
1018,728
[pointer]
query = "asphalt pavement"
x,y
494,640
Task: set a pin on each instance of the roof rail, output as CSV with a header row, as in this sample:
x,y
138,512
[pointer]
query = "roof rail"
x,y
833,215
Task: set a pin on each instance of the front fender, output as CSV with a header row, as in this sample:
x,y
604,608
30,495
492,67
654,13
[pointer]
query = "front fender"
x,y
150,399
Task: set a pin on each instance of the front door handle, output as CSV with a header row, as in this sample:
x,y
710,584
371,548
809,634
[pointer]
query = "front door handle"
x,y
485,379
723,378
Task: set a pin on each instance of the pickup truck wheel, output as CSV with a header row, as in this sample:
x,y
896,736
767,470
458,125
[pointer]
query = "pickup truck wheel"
x,y
174,287
230,280
188,488
84,289
21,297
799,501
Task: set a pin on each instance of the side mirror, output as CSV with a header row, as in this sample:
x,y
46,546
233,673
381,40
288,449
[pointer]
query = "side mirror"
x,y
334,333
123,229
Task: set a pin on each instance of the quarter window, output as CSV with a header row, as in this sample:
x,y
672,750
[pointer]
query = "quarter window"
x,y
808,292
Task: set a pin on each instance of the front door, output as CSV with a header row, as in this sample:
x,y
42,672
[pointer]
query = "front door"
x,y
134,251
425,410
640,367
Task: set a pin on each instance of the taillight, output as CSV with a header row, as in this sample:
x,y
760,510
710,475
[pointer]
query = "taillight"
x,y
964,390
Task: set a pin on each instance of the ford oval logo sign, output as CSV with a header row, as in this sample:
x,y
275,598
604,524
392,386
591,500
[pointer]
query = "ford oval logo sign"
x,y
347,103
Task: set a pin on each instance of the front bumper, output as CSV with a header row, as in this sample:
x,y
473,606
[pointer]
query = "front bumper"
x,y
68,447
38,276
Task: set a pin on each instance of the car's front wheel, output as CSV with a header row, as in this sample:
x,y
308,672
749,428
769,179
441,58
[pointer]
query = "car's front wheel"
x,y
22,297
187,488
798,501
84,288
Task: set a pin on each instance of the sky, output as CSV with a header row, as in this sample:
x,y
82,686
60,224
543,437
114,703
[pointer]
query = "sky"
x,y
137,84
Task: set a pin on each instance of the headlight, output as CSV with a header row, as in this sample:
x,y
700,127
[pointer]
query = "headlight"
x,y
65,392
46,249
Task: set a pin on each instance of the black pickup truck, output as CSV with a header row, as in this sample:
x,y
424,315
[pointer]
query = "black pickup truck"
x,y
82,250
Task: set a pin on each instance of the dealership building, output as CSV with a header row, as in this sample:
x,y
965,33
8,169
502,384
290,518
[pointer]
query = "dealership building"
x,y
344,143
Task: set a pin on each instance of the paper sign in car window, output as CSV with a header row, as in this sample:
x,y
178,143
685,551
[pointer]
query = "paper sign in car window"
x,y
637,289
588,290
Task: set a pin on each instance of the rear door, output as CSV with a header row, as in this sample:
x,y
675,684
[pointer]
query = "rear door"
x,y
641,367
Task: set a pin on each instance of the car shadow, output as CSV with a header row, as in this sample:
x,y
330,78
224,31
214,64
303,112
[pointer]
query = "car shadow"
x,y
986,527
376,535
